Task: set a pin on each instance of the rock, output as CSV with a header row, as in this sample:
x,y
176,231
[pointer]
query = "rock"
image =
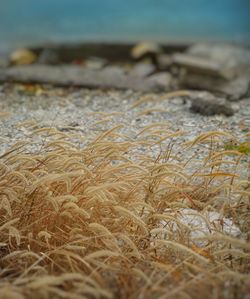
x,y
203,66
142,70
48,56
234,89
164,61
22,56
163,80
206,104
222,53
230,56
232,63
95,63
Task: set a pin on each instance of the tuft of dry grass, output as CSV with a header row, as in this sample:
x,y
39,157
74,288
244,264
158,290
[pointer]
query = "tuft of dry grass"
x,y
106,220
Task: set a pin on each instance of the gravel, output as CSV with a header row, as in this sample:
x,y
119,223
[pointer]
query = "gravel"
x,y
71,110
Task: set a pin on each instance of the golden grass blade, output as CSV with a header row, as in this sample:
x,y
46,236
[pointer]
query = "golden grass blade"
x,y
182,248
128,214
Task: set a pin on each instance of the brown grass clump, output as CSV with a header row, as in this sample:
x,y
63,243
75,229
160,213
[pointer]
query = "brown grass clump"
x,y
104,221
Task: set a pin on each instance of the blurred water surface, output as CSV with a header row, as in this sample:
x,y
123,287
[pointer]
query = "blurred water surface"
x,y
32,21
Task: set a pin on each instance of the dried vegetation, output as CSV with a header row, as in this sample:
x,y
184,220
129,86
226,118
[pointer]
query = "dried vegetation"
x,y
104,220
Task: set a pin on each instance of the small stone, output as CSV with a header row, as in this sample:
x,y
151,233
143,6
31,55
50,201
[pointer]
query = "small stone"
x,y
208,105
235,107
74,124
246,112
178,101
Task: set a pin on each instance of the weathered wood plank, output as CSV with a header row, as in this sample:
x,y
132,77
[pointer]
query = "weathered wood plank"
x,y
83,77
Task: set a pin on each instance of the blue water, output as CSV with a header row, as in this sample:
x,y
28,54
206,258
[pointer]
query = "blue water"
x,y
32,21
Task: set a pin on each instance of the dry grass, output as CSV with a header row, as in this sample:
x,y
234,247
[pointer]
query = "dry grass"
x,y
102,221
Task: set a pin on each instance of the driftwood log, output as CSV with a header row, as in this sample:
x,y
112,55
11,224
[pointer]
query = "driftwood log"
x,y
83,77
